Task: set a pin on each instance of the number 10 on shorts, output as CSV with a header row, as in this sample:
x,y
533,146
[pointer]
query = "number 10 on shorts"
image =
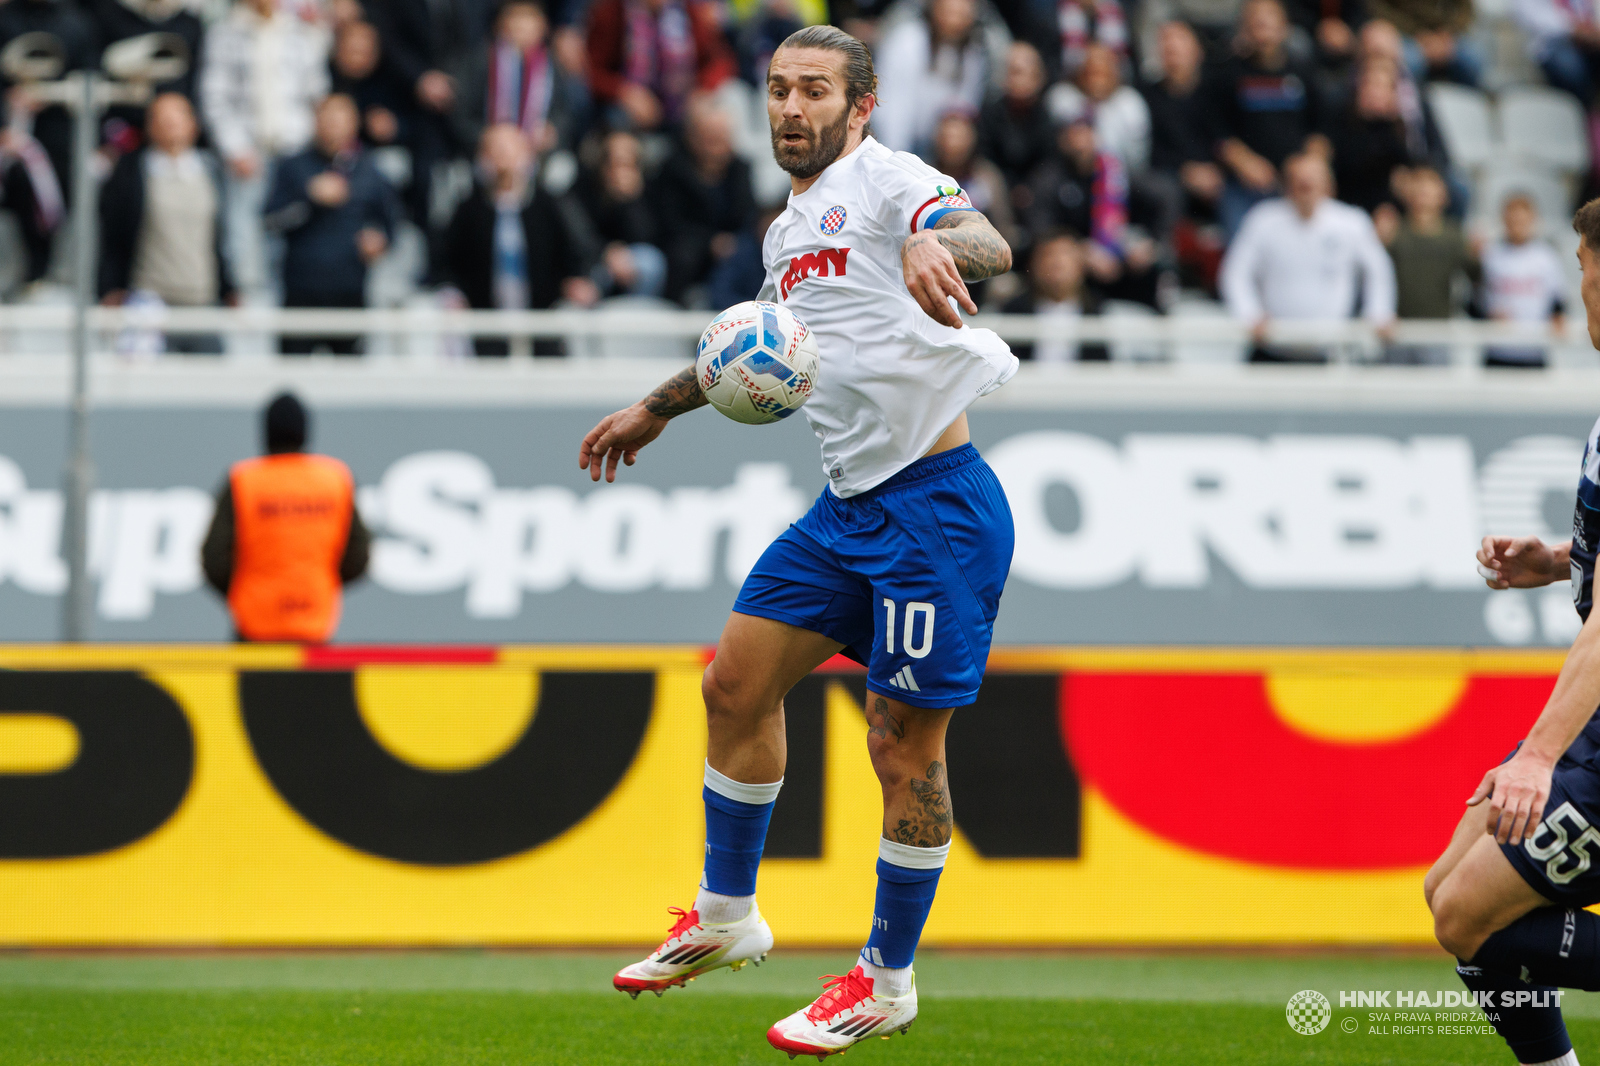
x,y
916,612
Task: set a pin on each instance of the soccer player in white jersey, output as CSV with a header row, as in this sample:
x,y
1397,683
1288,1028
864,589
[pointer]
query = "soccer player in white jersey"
x,y
899,564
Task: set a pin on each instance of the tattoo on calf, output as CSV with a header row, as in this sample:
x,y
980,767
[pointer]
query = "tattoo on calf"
x,y
931,823
676,395
978,249
886,724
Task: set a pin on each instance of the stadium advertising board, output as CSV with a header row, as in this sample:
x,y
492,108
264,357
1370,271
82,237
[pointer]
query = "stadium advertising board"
x,y
1153,526
537,795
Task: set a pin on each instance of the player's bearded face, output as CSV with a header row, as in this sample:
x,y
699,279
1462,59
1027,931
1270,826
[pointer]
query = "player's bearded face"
x,y
815,150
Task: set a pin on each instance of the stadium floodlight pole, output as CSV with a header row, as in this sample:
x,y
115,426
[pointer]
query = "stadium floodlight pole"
x,y
75,612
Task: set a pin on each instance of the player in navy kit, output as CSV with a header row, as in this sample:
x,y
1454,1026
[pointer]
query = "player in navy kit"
x,y
1508,894
899,564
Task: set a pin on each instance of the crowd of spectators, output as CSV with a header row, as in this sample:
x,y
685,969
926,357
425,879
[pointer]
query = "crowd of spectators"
x,y
1278,156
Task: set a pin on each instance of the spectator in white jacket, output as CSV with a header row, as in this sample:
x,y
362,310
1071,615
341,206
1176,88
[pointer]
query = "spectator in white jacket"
x,y
929,66
1306,256
265,69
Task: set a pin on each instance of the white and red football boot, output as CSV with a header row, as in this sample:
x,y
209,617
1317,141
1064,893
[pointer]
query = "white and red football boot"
x,y
846,1013
693,948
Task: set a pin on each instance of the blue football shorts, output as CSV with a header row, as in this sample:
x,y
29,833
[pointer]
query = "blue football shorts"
x,y
1560,858
907,576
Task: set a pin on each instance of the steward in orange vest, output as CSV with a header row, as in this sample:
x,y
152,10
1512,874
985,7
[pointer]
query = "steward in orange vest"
x,y
285,536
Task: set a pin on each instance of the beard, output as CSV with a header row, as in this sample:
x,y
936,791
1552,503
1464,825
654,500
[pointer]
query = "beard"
x,y
810,158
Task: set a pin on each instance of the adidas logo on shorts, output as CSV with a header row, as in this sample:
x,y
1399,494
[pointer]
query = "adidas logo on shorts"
x,y
904,680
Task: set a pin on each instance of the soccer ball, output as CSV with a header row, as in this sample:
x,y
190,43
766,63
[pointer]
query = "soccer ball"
x,y
757,363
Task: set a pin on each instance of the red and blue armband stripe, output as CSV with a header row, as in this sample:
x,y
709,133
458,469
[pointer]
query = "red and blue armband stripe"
x,y
938,207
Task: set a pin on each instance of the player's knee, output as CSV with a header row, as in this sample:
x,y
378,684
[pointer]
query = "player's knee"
x,y
728,698
1455,926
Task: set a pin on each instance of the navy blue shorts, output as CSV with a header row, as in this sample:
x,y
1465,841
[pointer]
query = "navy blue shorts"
x,y
907,576
1560,860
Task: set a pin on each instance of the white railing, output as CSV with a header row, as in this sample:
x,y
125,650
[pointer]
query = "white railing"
x,y
431,333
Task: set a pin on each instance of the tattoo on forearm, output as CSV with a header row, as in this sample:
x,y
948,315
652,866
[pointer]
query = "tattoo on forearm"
x,y
884,724
979,251
676,395
930,823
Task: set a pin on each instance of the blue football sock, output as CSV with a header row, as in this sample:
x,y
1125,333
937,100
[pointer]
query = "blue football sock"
x,y
907,879
736,830
1535,1033
1557,946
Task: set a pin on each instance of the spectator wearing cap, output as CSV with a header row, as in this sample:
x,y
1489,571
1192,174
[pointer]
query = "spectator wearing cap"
x,y
1306,256
1056,292
515,78
265,69
704,198
648,57
511,245
285,536
161,221
1268,108
1017,133
337,215
927,66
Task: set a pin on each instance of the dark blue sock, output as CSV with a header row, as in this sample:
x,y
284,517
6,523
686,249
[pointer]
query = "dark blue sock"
x,y
736,831
1557,946
905,896
1535,1033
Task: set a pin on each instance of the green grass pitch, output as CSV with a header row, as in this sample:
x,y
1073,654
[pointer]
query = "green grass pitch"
x,y
500,1007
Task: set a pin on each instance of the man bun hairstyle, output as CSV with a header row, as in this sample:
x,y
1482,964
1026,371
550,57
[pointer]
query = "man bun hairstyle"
x,y
1587,224
860,80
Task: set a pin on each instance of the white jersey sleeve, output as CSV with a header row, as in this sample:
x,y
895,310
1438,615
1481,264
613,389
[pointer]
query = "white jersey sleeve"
x,y
913,195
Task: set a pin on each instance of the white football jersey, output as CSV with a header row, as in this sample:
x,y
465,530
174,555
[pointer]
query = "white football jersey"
x,y
891,379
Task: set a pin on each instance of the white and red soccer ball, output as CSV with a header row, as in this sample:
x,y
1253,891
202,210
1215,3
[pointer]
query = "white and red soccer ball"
x,y
757,363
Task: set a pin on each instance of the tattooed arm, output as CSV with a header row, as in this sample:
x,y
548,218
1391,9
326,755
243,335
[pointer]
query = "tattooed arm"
x,y
620,436
962,246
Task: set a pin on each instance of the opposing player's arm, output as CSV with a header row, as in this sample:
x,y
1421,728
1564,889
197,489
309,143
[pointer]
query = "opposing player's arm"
x,y
1518,789
961,246
619,436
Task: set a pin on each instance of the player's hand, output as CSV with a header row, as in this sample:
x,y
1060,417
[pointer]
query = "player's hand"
x,y
1516,562
932,277
618,436
1516,791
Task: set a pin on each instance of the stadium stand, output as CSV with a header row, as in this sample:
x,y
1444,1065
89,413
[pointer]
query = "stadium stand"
x,y
630,111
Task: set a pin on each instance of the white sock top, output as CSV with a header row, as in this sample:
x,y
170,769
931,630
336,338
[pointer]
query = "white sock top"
x,y
723,785
912,858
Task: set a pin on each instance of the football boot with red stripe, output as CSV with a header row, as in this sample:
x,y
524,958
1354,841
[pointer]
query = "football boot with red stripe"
x,y
846,1013
693,948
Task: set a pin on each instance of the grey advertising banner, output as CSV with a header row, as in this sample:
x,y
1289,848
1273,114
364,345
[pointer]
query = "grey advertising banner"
x,y
1133,526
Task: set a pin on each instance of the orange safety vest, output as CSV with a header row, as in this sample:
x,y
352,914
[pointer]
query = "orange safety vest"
x,y
291,518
